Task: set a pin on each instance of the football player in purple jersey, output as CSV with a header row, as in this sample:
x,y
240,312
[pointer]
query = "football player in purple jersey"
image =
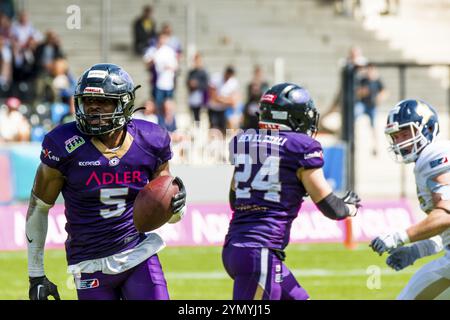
x,y
99,163
276,167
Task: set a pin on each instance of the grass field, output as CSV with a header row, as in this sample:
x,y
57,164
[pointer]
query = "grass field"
x,y
326,271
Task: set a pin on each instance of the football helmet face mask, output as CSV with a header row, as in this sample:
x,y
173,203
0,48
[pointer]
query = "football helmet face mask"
x,y
411,126
104,81
287,106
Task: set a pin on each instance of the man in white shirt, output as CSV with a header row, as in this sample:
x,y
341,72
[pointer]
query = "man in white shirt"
x,y
164,60
22,30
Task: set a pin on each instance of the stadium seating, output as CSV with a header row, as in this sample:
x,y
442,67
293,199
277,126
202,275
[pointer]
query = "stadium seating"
x,y
257,31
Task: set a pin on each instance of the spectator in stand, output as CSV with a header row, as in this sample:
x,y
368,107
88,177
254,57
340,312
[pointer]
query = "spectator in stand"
x,y
147,112
144,29
24,71
357,61
5,67
163,59
14,127
7,8
370,92
48,51
255,89
5,26
63,82
173,40
22,30
175,44
46,54
223,99
197,84
169,122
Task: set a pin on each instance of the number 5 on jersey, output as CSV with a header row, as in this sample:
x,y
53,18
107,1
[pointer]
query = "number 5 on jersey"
x,y
106,197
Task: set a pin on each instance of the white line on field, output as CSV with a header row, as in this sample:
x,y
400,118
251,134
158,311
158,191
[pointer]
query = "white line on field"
x,y
297,272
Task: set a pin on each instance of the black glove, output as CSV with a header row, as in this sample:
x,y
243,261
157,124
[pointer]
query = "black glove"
x,y
41,288
179,200
352,198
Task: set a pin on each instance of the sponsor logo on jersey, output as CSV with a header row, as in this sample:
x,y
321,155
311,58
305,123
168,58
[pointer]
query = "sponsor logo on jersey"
x,y
269,98
106,178
114,162
88,284
48,155
315,154
437,162
89,163
93,90
97,74
73,143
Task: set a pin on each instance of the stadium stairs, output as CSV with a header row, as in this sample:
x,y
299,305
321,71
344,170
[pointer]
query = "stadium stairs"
x,y
308,35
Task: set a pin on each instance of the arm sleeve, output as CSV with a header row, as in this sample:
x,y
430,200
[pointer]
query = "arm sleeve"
x,y
333,207
36,232
429,247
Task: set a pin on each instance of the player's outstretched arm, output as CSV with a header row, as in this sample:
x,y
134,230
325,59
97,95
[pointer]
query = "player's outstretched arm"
x,y
437,221
47,186
322,195
179,200
405,256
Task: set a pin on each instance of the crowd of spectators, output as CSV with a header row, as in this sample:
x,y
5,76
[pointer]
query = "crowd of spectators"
x,y
35,80
218,95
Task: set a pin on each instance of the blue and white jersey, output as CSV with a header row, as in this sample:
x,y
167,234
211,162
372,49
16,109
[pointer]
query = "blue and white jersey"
x,y
433,161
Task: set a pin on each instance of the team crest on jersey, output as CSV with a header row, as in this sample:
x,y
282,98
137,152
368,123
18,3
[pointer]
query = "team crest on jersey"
x,y
88,284
437,162
114,162
74,143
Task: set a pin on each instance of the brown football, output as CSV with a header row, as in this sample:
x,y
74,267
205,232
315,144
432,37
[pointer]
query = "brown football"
x,y
152,206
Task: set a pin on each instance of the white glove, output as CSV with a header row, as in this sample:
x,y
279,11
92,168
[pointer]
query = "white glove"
x,y
388,242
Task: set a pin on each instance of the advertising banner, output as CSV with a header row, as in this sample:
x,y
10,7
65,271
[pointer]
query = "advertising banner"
x,y
207,224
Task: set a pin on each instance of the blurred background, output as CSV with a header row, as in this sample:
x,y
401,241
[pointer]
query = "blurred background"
x,y
203,65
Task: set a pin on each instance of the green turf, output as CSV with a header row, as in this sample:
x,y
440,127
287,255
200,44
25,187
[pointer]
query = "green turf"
x,y
326,271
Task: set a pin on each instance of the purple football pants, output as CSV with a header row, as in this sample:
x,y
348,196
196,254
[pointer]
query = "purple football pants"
x,y
259,274
144,282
